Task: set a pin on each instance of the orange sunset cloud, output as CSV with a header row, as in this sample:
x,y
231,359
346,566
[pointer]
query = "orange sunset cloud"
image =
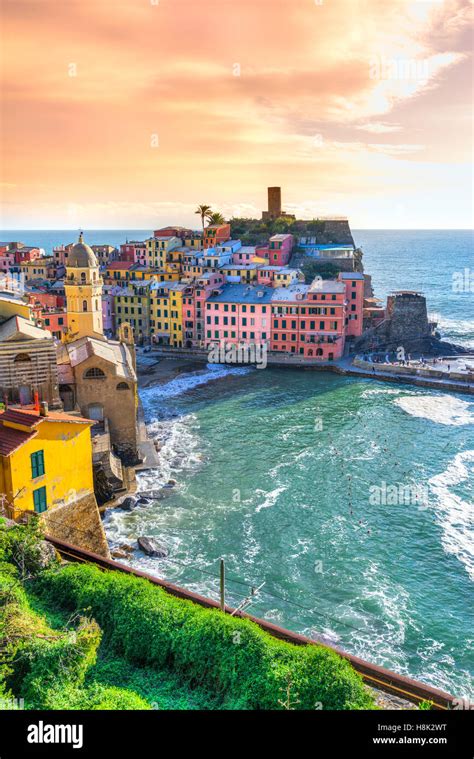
x,y
129,113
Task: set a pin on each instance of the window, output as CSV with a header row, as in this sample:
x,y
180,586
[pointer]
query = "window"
x,y
122,386
84,305
39,500
94,373
37,464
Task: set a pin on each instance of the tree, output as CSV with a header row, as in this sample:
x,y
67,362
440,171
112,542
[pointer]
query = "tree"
x,y
215,218
203,212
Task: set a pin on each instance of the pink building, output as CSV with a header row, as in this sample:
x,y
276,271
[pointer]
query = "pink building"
x,y
309,320
108,307
194,305
239,314
61,252
7,259
134,252
244,255
46,300
279,249
354,285
27,253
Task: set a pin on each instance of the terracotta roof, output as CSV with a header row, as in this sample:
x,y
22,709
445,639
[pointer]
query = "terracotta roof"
x,y
29,417
17,416
11,439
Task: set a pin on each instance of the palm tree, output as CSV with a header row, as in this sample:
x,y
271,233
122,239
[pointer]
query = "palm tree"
x,y
203,212
215,218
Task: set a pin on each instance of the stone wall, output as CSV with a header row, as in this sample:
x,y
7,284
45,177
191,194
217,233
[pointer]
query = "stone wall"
x,y
78,523
119,406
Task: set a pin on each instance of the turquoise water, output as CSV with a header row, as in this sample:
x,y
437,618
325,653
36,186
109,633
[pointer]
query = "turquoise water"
x,y
274,470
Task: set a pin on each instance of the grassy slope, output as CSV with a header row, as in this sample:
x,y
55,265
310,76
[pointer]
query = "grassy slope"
x,y
80,638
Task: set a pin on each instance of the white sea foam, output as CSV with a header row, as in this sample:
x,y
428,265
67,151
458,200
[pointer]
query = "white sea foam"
x,y
442,409
456,516
270,498
185,382
380,391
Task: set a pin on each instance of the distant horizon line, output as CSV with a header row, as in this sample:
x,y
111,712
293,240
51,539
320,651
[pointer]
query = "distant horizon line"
x,y
132,229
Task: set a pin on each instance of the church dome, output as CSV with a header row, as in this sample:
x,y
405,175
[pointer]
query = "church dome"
x,y
82,256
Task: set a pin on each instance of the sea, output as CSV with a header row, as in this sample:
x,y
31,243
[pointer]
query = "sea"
x,y
348,502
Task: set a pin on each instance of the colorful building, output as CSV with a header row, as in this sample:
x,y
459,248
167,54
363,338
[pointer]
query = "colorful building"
x,y
354,282
239,314
240,273
83,286
133,251
132,306
279,249
278,276
216,234
38,268
160,313
309,319
158,249
104,254
45,460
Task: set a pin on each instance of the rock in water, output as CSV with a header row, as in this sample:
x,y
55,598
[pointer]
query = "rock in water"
x,y
151,548
170,484
118,554
128,503
142,501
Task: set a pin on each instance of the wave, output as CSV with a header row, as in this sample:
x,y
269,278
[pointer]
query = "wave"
x,y
459,331
454,515
186,382
441,409
270,498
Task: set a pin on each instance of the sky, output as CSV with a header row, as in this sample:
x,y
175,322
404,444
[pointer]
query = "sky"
x,y
129,113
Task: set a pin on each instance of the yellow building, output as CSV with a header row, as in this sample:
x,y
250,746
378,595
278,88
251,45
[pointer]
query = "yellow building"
x,y
13,305
45,461
160,314
37,269
158,250
83,287
132,306
176,312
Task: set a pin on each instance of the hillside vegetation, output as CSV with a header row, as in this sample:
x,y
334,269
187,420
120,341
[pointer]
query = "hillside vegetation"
x,y
73,636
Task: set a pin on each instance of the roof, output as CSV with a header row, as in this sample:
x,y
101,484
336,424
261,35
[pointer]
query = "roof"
x,y
286,269
12,439
18,328
242,294
17,416
113,352
29,417
120,265
290,293
351,275
280,237
326,286
239,267
82,256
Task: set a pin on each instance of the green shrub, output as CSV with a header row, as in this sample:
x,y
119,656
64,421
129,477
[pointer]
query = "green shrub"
x,y
228,656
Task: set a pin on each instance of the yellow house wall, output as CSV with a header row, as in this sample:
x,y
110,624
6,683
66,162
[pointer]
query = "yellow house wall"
x,y
9,308
68,465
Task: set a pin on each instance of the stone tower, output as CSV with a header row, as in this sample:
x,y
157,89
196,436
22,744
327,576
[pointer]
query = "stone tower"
x,y
274,202
83,286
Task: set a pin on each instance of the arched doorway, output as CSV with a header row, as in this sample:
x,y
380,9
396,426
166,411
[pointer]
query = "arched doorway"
x,y
66,393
